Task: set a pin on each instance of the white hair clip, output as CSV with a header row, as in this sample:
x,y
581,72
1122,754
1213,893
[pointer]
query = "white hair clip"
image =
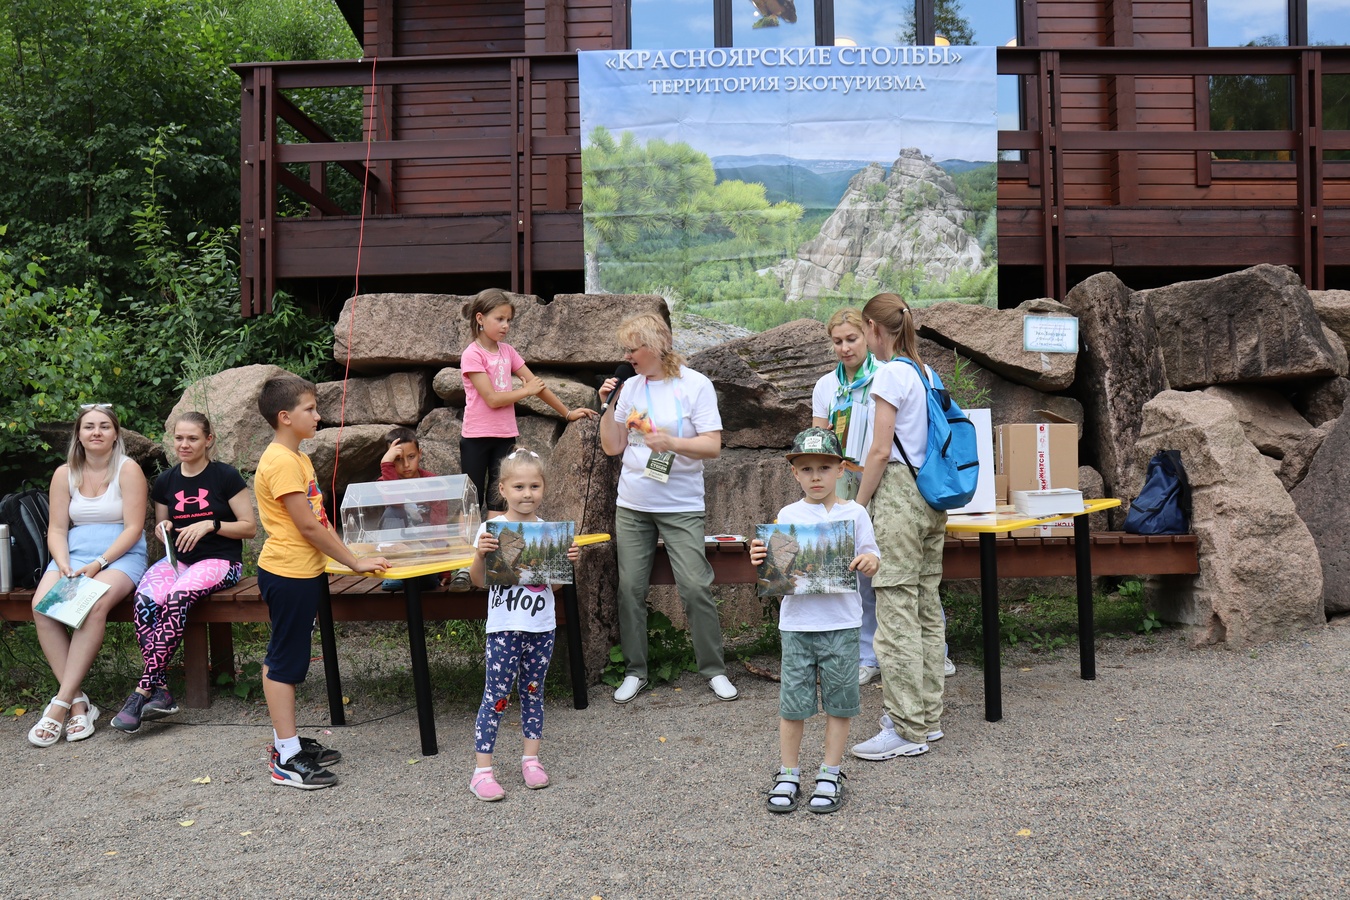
x,y
513,453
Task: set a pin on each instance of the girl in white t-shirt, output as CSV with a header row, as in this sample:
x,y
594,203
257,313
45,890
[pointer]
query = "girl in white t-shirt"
x,y
521,627
842,402
910,633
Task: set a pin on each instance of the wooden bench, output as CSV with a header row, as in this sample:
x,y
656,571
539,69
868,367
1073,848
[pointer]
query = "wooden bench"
x,y
208,641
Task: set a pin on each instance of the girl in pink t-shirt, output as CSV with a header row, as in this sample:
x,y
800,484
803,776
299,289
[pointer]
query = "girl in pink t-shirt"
x,y
487,365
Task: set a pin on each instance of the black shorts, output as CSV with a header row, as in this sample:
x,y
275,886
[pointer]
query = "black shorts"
x,y
292,604
481,459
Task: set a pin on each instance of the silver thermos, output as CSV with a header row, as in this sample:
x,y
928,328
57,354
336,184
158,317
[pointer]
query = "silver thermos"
x,y
6,572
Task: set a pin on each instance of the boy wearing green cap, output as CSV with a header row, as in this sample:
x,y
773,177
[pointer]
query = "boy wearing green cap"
x,y
819,631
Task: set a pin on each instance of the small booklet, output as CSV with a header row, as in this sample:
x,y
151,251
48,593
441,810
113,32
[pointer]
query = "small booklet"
x,y
170,551
530,553
807,559
70,600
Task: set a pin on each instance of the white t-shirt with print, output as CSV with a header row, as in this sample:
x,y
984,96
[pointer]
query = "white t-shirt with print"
x,y
826,612
522,607
694,399
898,384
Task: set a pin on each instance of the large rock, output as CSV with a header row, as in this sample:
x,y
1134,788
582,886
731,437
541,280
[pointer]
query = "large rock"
x,y
1009,403
438,437
583,483
993,339
572,393
1259,573
577,330
230,400
1250,326
399,398
1323,400
1295,464
1322,499
149,455
764,382
1120,368
1270,422
911,218
357,458
540,434
449,386
399,331
1333,308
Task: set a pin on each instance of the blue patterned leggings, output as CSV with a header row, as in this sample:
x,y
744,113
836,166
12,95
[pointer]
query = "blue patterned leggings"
x,y
510,654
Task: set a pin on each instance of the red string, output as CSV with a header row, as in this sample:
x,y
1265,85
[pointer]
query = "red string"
x,y
356,281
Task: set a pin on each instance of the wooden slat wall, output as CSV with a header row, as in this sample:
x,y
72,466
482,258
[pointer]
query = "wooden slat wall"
x,y
553,26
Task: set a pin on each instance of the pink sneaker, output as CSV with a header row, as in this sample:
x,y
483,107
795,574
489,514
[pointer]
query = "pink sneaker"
x,y
535,776
485,786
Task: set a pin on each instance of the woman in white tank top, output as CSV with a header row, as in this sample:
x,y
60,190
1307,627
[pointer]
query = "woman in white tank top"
x,y
97,530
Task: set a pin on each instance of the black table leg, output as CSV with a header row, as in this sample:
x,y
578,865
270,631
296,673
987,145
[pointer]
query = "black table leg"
x,y
417,652
993,674
1087,651
574,651
337,714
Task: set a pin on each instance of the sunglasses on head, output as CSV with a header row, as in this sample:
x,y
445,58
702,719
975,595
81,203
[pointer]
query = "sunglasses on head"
x,y
85,407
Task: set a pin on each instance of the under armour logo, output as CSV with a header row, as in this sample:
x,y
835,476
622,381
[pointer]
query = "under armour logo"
x,y
198,501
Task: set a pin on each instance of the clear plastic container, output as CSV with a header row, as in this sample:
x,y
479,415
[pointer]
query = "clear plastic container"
x,y
411,521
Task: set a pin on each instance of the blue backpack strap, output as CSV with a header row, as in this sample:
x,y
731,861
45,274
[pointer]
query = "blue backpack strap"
x,y
927,386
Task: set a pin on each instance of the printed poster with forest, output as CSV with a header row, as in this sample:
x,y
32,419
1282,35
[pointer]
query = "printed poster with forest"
x,y
759,185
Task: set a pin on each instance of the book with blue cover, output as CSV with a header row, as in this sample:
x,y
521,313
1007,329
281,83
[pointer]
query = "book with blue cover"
x,y
70,599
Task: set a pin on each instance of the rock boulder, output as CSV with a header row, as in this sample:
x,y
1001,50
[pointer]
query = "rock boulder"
x,y
1333,308
577,330
400,331
438,437
1323,400
1270,422
399,398
357,458
1120,368
449,386
1250,326
764,382
993,339
1259,572
230,400
573,394
1321,499
1295,464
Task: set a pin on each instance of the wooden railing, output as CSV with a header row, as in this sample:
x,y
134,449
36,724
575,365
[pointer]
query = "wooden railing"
x,y
535,135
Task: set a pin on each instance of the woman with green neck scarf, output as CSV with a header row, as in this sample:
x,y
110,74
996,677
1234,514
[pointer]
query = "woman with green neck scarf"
x,y
843,404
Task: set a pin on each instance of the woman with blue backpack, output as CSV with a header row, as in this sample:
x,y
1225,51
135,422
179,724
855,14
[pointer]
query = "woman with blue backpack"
x,y
910,633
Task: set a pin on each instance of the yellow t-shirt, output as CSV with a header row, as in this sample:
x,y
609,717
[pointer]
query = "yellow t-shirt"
x,y
282,471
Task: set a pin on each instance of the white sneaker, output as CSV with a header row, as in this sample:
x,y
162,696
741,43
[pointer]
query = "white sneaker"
x,y
934,736
629,689
948,667
887,744
723,688
867,673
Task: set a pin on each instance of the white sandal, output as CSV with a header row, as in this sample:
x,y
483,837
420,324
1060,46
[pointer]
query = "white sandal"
x,y
81,725
48,725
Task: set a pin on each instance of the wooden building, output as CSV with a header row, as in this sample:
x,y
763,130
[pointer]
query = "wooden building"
x,y
1127,142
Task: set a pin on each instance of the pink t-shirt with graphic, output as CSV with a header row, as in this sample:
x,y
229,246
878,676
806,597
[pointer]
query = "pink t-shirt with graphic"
x,y
481,420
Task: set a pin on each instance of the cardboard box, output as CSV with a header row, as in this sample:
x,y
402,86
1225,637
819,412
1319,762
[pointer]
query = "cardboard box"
x,y
1036,457
984,500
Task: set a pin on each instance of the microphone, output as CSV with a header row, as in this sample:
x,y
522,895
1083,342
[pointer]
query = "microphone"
x,y
624,372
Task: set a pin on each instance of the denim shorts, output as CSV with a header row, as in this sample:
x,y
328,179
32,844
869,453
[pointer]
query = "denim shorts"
x,y
831,655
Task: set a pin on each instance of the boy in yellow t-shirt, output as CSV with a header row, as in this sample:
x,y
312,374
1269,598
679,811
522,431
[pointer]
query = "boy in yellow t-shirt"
x,y
291,575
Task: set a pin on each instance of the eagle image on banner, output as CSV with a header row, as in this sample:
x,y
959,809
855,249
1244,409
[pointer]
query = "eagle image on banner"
x,y
735,181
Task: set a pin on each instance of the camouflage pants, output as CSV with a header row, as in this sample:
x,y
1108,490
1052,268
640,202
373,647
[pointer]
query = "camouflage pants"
x,y
910,630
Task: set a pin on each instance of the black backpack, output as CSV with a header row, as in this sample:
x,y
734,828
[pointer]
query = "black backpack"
x,y
1164,504
25,512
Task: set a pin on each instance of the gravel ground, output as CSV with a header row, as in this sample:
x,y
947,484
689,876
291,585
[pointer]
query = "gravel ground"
x,y
1177,773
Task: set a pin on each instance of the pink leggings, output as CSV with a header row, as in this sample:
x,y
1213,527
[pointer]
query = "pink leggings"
x,y
163,599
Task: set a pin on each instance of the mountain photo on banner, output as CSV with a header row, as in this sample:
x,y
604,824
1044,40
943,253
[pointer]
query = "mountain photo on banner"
x,y
756,186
